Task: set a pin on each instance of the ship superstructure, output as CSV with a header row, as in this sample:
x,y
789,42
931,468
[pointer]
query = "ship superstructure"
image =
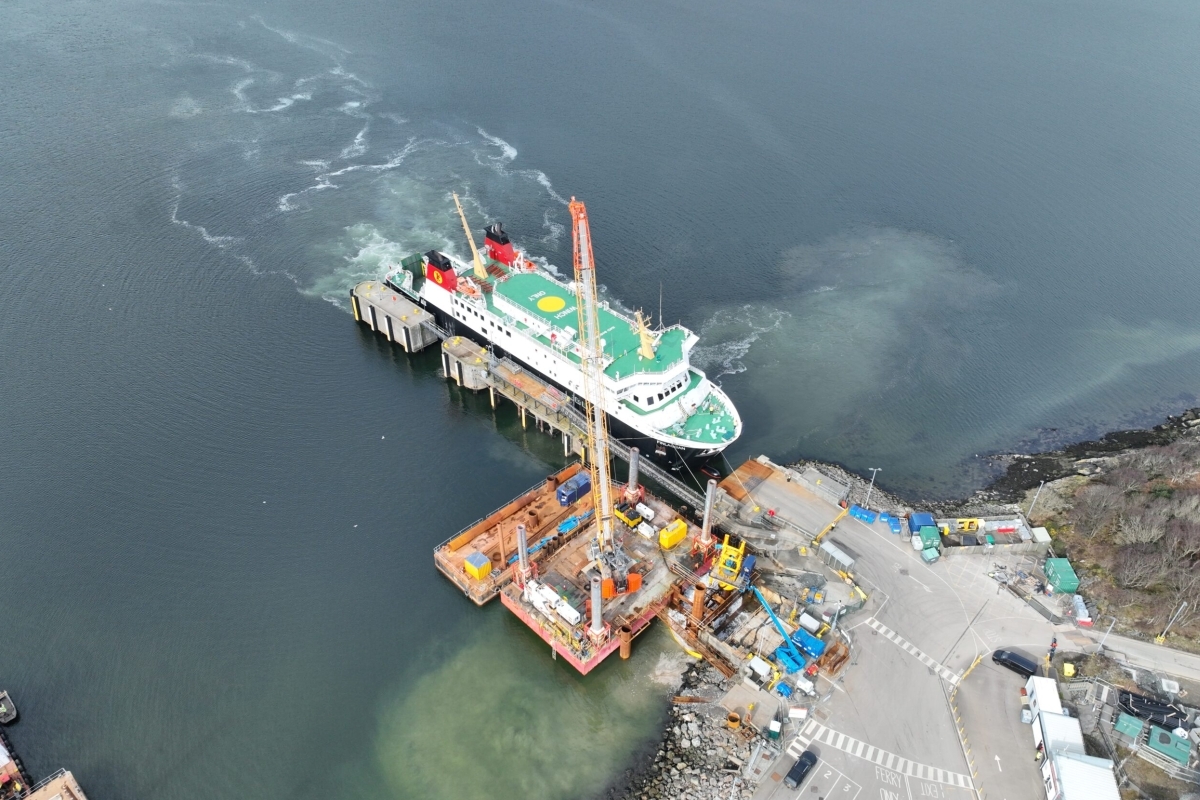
x,y
507,300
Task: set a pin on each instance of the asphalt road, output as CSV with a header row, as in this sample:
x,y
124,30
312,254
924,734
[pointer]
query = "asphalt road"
x,y
989,703
1150,656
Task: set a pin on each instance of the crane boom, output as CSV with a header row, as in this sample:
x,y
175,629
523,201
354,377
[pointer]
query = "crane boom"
x,y
591,355
480,272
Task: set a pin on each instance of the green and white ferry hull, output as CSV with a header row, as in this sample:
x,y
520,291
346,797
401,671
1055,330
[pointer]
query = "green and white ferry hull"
x,y
531,315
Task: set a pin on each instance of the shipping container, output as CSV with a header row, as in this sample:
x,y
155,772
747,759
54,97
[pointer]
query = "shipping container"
x,y
918,521
672,534
477,565
1060,575
573,489
930,537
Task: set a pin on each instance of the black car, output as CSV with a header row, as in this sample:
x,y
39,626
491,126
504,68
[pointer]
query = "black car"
x,y
1018,663
800,769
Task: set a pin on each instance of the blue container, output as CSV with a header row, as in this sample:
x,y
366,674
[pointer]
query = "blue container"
x,y
865,514
895,525
918,521
573,489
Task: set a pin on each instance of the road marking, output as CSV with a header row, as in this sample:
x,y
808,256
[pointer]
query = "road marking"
x,y
948,676
998,764
814,731
923,586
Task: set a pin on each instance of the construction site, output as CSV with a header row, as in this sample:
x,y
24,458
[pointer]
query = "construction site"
x,y
812,609
588,561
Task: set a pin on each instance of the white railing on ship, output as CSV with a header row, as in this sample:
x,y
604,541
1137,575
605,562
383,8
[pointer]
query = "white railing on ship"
x,y
45,781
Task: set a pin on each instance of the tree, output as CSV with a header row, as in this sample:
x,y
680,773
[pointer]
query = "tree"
x,y
1094,507
1142,526
1140,566
1125,477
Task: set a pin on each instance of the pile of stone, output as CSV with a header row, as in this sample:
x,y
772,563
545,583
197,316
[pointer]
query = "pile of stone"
x,y
983,503
881,500
699,757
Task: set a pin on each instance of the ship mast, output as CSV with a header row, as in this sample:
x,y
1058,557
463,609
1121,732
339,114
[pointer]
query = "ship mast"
x,y
480,272
647,342
591,355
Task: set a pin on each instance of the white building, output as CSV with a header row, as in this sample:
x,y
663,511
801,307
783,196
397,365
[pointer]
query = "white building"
x,y
1068,772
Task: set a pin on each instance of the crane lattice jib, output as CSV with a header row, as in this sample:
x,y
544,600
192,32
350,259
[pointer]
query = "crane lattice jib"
x,y
591,355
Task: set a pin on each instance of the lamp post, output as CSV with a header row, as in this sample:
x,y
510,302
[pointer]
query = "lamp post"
x,y
867,503
1174,617
1035,499
1104,638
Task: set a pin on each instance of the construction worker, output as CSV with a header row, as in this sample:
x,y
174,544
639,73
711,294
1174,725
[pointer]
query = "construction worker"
x,y
1041,751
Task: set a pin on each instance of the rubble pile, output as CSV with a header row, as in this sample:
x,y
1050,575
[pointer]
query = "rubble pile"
x,y
699,757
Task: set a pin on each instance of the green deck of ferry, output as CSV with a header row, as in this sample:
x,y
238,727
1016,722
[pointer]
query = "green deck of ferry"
x,y
710,423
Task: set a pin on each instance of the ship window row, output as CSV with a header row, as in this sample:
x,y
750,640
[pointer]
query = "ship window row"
x,y
467,309
670,390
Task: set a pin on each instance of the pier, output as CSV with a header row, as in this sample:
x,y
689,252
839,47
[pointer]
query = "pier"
x,y
387,312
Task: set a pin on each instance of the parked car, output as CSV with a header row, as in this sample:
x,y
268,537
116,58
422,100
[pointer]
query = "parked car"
x,y
800,770
1021,664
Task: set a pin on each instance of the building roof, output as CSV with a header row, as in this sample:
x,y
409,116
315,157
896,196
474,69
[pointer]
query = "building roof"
x,y
1061,734
1082,777
1044,693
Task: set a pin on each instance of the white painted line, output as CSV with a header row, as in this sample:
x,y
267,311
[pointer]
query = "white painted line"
x,y
815,731
946,674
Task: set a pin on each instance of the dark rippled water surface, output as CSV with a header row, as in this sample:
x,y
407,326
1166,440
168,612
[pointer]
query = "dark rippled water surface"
x,y
908,235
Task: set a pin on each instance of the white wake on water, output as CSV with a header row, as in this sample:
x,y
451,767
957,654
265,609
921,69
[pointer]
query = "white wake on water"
x,y
359,146
508,154
728,335
324,180
397,204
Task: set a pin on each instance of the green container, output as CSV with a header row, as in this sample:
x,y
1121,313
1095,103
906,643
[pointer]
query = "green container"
x,y
1170,745
930,538
1061,575
1129,726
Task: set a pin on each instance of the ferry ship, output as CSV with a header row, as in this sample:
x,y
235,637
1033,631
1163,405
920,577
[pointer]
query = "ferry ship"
x,y
652,392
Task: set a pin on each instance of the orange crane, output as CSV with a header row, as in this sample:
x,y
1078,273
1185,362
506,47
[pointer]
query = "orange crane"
x,y
591,355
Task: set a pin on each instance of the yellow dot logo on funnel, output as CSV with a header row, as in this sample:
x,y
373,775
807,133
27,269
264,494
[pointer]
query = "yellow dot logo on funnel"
x,y
551,304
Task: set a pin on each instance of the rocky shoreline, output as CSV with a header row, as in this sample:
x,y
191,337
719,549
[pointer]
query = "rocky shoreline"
x,y
1022,471
698,756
